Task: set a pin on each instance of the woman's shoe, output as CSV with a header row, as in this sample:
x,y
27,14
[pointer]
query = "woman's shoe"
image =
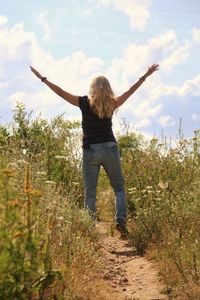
x,y
121,227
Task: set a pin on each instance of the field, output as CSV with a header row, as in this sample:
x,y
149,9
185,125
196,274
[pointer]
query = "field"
x,y
50,248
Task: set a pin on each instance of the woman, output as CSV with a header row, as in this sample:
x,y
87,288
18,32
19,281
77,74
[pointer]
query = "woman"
x,y
99,144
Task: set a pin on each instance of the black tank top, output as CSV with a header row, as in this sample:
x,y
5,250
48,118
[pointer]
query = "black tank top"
x,y
95,130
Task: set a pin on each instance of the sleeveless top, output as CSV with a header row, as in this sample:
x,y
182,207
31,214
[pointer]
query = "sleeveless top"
x,y
95,130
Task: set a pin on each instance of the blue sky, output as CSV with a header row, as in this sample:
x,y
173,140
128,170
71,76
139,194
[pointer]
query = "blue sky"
x,y
71,42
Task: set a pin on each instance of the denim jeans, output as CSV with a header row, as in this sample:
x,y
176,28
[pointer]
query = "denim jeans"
x,y
107,155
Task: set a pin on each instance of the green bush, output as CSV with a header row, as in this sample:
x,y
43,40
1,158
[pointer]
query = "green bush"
x,y
163,193
48,242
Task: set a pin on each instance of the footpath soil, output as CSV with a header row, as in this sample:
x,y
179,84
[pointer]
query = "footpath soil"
x,y
127,276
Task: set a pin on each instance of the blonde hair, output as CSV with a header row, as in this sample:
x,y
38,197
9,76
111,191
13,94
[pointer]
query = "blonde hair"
x,y
101,98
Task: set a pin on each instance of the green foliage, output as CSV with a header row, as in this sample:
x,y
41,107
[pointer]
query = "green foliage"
x,y
46,238
49,246
163,193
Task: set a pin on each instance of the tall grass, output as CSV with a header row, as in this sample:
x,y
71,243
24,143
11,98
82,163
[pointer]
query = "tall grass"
x,y
163,189
49,244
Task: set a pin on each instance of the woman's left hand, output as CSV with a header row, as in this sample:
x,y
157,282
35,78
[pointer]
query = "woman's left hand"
x,y
36,72
152,69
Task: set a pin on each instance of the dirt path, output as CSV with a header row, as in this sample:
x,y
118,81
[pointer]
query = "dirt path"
x,y
127,275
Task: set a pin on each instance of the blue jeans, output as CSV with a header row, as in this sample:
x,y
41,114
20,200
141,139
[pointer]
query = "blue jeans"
x,y
107,155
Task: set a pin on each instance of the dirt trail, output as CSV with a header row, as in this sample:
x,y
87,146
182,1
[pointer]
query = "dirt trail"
x,y
127,275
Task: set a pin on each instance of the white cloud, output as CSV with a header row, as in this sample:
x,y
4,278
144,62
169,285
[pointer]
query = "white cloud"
x,y
3,20
14,43
190,87
17,97
19,49
136,58
196,35
178,56
143,123
124,71
137,11
42,20
166,121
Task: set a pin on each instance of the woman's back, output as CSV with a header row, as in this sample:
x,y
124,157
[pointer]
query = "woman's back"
x,y
95,129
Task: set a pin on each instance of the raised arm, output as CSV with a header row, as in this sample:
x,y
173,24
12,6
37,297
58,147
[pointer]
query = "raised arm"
x,y
60,92
121,99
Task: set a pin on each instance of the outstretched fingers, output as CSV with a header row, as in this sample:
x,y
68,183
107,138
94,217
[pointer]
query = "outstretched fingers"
x,y
154,67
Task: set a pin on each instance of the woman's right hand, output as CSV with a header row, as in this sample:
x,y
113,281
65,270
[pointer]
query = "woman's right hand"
x,y
36,72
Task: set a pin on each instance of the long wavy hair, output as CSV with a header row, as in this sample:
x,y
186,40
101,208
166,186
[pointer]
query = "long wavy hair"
x,y
102,98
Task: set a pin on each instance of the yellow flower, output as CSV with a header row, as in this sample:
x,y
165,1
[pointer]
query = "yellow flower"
x,y
27,190
35,192
14,202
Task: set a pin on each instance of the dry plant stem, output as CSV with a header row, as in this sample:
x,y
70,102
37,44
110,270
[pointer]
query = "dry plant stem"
x,y
6,197
29,226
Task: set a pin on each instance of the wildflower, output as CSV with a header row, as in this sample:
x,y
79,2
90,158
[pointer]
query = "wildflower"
x,y
50,182
14,202
60,157
41,173
24,151
163,185
132,189
35,192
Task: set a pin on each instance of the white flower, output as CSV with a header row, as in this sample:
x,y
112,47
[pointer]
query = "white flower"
x,y
24,151
163,185
50,182
60,157
75,183
132,189
41,173
149,187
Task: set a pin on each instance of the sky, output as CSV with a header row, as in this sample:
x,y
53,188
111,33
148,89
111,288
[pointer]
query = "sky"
x,y
72,41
